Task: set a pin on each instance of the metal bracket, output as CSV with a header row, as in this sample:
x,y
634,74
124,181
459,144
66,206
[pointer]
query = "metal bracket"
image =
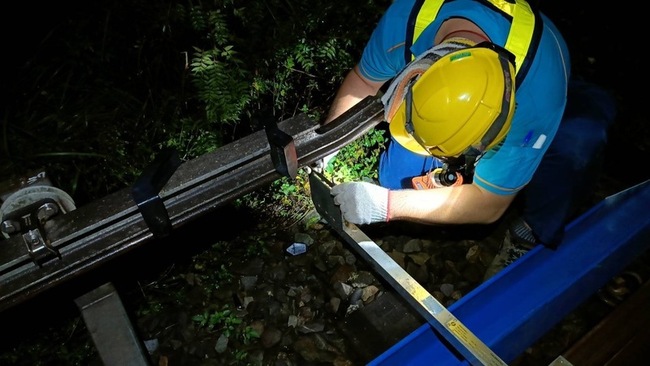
x,y
148,185
30,221
38,247
110,327
26,212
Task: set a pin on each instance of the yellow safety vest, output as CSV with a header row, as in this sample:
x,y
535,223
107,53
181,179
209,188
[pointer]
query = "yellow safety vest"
x,y
523,37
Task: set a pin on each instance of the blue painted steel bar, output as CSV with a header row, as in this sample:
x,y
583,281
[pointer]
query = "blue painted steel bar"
x,y
524,301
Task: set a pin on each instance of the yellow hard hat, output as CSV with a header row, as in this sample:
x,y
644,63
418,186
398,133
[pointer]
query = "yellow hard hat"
x,y
465,100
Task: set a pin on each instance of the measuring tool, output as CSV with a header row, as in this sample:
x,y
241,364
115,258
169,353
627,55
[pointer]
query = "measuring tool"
x,y
441,319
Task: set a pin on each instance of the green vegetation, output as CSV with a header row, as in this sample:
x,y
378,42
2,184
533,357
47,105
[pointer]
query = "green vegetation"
x,y
358,160
111,84
224,321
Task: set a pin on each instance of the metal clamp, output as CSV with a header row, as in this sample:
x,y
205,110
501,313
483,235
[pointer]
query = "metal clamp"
x,y
27,211
283,151
148,185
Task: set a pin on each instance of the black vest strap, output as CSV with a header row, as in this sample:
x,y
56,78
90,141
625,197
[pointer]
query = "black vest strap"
x,y
410,28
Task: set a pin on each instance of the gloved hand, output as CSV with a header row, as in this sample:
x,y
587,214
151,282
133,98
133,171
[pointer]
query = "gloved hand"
x,y
362,202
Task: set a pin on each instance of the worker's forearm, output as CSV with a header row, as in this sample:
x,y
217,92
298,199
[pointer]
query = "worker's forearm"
x,y
465,204
353,89
340,105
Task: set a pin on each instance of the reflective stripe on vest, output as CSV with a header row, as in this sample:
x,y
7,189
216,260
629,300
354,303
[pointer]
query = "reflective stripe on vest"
x,y
523,37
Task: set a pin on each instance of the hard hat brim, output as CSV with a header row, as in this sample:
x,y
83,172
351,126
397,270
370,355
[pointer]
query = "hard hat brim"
x,y
398,131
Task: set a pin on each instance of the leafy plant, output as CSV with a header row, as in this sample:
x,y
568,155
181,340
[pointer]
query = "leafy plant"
x,y
224,274
248,334
358,160
256,247
224,321
152,307
240,355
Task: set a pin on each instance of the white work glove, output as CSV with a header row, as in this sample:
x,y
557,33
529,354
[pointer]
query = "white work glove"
x,y
361,202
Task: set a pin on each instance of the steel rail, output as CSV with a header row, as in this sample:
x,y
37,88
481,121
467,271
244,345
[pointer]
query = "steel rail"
x,y
97,232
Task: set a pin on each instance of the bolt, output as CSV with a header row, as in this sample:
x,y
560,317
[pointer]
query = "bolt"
x,y
46,211
9,226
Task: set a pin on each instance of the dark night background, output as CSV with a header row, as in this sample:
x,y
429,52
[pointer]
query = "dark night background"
x,y
606,47
606,41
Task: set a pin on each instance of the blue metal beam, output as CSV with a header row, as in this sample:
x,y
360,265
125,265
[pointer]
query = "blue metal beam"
x,y
520,304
